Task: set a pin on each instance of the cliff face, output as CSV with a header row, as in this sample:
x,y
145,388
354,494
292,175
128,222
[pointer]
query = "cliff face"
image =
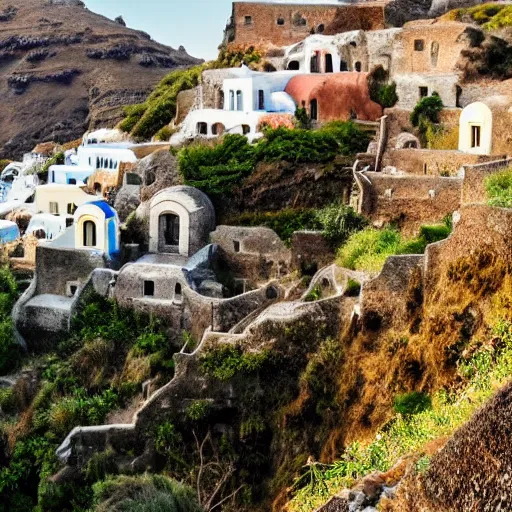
x,y
64,68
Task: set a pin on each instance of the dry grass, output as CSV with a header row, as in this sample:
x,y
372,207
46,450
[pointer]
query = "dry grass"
x,y
92,362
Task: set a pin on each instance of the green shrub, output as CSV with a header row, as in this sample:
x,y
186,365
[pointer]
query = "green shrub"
x,y
314,295
223,363
338,222
499,189
150,343
3,164
147,493
101,465
164,134
7,401
387,96
302,118
234,57
57,159
353,288
427,110
146,119
412,403
367,250
198,410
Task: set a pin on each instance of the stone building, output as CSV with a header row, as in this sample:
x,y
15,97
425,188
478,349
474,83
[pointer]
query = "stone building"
x,y
282,24
484,127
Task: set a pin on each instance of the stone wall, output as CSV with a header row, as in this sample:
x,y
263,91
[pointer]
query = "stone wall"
x,y
473,189
310,250
408,88
408,201
428,162
264,28
56,267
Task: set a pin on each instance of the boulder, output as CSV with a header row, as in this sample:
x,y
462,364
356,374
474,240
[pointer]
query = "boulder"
x,y
127,201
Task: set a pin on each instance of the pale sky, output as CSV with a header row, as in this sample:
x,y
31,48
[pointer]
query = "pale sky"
x,y
198,25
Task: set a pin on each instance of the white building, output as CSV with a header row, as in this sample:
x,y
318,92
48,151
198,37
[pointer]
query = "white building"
x,y
475,129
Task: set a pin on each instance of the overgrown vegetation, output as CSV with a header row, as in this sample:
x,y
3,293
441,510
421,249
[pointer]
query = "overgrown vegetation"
x,y
220,166
491,16
381,91
427,110
425,420
144,120
98,368
336,221
367,250
499,189
10,350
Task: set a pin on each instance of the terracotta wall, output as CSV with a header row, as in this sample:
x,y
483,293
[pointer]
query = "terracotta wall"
x,y
264,29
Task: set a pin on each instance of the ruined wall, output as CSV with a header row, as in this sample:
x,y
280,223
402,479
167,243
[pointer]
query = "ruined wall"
x,y
409,201
408,88
431,162
265,30
310,249
501,132
473,188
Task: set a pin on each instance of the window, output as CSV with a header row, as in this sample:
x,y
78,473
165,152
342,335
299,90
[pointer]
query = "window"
x,y
202,129
72,181
353,44
71,208
90,161
73,289
328,63
419,45
293,65
423,92
343,66
53,176
236,245
133,179
239,100
220,100
313,109
261,100
280,21
358,67
54,208
89,233
476,134
315,68
248,20
149,288
231,100
69,222
320,29
217,129
97,162
171,229
299,20
246,129
178,292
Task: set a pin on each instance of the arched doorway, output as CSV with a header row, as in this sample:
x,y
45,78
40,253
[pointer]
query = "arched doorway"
x,y
328,63
293,65
89,232
169,233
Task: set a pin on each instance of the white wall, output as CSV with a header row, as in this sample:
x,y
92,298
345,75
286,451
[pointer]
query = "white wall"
x,y
476,114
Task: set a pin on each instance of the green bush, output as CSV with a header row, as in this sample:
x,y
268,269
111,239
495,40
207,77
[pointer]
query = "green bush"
x,y
149,343
367,250
223,363
499,189
353,288
198,410
427,110
314,295
412,403
164,134
101,465
57,159
387,96
7,401
338,222
147,493
146,119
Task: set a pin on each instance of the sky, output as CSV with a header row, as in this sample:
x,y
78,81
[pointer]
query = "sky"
x,y
198,25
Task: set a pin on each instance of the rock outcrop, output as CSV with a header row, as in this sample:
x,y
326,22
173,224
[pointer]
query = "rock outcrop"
x,y
64,69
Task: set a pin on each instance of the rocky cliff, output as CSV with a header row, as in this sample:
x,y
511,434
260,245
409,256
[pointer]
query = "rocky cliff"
x,y
64,68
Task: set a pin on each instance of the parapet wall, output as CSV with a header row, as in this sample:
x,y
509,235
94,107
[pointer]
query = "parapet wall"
x,y
429,162
408,201
473,189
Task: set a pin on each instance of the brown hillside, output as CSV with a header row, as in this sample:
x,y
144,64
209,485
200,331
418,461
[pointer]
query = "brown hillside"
x,y
64,68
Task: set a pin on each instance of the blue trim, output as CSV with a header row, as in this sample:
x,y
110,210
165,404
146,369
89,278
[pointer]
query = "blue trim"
x,y
105,208
113,248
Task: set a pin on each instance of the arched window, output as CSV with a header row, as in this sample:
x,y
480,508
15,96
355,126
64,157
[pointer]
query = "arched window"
x,y
320,29
97,162
239,100
112,164
220,102
328,63
231,100
280,21
313,109
315,67
293,65
89,233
